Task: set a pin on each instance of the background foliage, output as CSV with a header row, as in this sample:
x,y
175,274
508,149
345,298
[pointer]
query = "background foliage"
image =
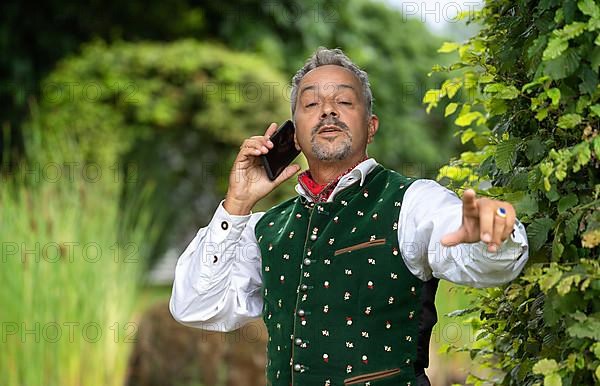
x,y
175,114
176,107
284,33
530,80
72,260
156,97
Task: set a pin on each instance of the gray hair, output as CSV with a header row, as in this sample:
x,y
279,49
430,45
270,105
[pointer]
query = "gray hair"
x,y
324,56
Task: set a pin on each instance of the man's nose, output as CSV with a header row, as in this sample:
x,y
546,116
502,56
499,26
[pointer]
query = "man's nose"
x,y
329,109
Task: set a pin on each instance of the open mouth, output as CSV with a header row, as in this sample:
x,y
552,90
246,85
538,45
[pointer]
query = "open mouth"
x,y
329,129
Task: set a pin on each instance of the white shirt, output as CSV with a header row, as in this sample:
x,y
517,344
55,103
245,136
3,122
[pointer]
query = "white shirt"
x,y
218,278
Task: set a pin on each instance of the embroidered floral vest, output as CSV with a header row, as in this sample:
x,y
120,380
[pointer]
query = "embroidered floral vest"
x,y
340,305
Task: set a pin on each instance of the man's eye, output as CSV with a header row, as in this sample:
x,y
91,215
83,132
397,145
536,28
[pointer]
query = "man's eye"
x,y
345,103
312,104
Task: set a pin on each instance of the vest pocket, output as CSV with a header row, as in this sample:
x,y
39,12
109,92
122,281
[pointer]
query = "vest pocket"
x,y
355,247
371,376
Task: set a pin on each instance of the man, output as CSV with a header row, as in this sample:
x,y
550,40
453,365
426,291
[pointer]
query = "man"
x,y
345,273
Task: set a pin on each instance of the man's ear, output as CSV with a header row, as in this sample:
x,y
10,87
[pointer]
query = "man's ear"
x,y
372,127
296,141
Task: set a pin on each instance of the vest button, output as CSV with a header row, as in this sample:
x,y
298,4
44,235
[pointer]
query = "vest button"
x,y
307,261
313,237
300,313
298,341
297,367
303,287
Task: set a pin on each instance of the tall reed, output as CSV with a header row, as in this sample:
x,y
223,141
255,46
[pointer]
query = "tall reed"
x,y
71,260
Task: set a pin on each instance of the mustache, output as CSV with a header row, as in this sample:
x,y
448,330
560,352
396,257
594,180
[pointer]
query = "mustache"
x,y
330,121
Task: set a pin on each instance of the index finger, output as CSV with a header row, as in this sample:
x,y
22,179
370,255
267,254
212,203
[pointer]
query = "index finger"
x,y
271,129
469,203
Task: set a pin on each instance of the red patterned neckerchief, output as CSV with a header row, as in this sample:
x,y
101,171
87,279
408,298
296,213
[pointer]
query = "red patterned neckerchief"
x,y
321,192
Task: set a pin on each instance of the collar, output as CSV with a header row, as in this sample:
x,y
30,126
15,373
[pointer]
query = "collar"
x,y
359,173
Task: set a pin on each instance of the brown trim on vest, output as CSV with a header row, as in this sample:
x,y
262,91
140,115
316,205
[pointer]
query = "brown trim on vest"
x,y
371,376
355,247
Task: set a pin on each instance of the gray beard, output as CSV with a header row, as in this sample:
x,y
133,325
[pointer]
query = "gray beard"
x,y
324,154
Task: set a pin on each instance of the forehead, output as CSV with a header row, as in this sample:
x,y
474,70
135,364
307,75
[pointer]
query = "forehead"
x,y
329,75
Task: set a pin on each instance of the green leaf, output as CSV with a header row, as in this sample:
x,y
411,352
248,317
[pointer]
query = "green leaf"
x,y
538,232
450,109
552,194
571,226
567,202
569,121
451,86
467,135
596,350
552,380
589,328
567,283
496,106
468,118
557,249
502,91
595,109
546,168
510,92
545,367
448,47
537,46
589,8
562,66
569,8
589,80
596,146
536,82
535,149
454,173
549,280
541,114
570,31
505,154
582,103
554,95
583,155
486,78
432,98
526,206
556,46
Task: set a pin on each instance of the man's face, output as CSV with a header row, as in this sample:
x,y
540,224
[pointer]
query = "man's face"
x,y
331,117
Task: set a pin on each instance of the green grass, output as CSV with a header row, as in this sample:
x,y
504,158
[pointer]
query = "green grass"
x,y
71,262
451,330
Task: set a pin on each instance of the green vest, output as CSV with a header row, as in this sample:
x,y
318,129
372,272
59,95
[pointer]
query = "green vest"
x,y
340,305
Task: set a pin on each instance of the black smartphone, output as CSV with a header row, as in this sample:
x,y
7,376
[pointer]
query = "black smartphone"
x,y
283,152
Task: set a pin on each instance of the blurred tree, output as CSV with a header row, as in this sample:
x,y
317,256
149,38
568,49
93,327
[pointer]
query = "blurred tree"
x,y
175,112
33,39
396,52
284,31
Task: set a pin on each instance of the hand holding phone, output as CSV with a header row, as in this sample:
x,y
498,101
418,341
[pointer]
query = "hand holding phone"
x,y
245,189
283,152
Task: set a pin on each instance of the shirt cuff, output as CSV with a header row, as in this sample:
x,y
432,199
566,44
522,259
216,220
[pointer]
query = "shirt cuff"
x,y
517,242
225,226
